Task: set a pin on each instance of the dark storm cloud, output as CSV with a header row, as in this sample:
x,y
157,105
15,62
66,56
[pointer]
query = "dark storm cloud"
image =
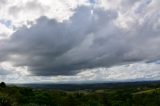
x,y
86,40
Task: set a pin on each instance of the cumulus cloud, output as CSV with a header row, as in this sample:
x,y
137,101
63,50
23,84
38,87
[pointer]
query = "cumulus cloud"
x,y
4,71
132,72
46,46
24,11
97,35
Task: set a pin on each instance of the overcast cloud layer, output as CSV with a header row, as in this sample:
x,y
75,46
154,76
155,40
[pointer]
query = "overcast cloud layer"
x,y
50,38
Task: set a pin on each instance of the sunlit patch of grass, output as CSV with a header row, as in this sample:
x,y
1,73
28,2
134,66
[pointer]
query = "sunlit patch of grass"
x,y
150,91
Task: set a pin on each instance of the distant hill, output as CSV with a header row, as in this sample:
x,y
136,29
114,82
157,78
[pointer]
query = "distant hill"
x,y
89,86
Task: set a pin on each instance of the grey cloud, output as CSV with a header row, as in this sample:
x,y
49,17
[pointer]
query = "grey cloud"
x,y
84,41
3,2
128,3
32,6
4,72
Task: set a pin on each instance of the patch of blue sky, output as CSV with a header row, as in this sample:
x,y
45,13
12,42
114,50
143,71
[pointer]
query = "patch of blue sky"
x,y
7,23
93,1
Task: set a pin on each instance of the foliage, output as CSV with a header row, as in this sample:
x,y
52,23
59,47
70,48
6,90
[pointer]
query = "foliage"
x,y
2,84
122,96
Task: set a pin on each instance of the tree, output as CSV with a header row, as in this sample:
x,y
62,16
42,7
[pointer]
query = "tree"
x,y
2,84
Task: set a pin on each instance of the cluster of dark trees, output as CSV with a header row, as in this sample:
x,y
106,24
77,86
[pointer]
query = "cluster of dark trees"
x,y
2,84
20,96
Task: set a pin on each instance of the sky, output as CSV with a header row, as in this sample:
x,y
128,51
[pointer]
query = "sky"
x,y
79,41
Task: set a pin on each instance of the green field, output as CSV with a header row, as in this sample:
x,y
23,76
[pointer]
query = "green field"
x,y
122,96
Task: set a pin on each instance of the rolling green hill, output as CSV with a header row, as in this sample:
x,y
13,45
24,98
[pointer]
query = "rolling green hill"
x,y
146,95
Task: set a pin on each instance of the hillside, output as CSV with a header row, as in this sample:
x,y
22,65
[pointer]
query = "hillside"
x,y
140,95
